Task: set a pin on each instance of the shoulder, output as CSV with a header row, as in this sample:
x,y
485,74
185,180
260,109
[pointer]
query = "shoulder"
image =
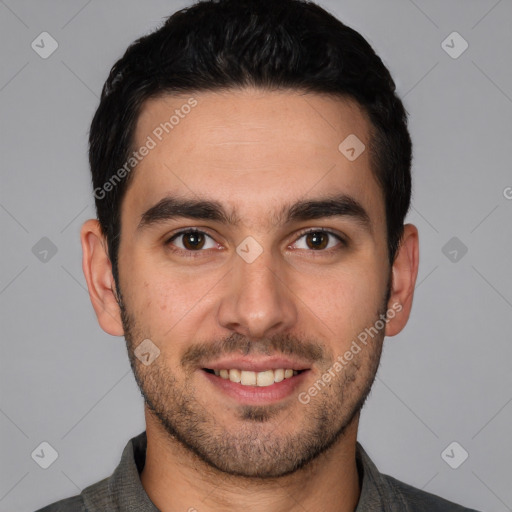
x,y
109,494
384,492
414,499
73,504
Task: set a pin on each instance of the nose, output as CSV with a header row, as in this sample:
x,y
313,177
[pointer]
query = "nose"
x,y
257,301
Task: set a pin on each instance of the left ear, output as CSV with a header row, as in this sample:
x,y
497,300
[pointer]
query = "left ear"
x,y
404,273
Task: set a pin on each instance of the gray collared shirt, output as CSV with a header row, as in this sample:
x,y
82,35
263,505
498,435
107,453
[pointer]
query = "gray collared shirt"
x,y
123,491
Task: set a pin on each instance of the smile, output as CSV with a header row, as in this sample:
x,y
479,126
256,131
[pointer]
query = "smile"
x,y
250,378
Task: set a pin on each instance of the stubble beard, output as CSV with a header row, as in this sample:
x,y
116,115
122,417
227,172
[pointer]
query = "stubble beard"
x,y
262,445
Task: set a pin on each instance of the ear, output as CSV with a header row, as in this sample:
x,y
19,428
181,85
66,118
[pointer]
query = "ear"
x,y
404,273
100,281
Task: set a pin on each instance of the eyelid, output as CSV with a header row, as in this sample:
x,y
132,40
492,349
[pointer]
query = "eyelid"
x,y
337,235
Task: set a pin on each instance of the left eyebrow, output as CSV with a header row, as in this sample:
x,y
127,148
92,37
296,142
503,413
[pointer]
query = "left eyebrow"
x,y
171,207
341,205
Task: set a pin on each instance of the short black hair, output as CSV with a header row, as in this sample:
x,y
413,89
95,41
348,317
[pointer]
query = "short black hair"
x,y
219,45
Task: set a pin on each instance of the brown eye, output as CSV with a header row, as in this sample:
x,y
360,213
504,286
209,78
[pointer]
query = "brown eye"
x,y
191,240
320,241
317,239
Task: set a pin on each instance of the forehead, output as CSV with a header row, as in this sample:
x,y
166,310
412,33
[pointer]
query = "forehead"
x,y
249,147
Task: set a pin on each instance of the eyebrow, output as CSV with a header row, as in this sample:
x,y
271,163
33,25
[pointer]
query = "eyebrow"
x,y
172,207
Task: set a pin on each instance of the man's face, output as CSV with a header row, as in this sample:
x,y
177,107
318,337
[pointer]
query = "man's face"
x,y
253,292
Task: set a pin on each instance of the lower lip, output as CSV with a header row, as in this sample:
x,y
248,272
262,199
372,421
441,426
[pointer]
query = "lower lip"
x,y
253,395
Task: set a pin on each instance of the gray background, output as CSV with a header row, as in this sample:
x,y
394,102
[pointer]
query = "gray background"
x,y
445,378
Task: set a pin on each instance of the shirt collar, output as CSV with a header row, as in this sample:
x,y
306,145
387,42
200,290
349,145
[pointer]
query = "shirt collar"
x,y
375,489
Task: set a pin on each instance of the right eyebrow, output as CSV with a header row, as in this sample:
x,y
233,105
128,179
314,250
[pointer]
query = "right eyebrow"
x,y
170,208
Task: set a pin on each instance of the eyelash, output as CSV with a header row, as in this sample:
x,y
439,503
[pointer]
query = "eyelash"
x,y
195,254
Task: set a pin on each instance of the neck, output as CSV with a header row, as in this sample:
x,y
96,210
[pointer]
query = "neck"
x,y
176,479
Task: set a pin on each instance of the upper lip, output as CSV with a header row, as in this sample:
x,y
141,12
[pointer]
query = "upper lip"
x,y
257,365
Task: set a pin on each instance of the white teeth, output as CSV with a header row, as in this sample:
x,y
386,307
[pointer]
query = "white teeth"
x,y
235,375
262,379
278,375
265,378
248,378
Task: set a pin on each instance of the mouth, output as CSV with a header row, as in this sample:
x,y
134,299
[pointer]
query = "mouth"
x,y
256,382
251,378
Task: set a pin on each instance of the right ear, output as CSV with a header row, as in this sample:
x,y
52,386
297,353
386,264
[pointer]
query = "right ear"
x,y
97,270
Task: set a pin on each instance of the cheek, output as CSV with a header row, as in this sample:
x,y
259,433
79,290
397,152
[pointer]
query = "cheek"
x,y
348,300
171,305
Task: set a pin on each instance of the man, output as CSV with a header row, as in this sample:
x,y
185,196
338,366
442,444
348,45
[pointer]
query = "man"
x,y
251,169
